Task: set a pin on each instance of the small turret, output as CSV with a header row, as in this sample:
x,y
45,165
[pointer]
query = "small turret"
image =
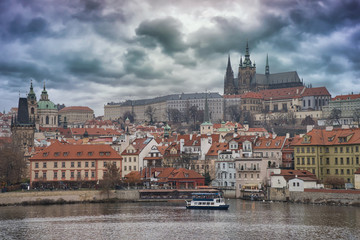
x,y
267,68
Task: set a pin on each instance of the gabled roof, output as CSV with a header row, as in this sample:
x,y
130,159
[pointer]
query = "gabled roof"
x,y
269,143
76,109
61,151
184,173
326,137
290,174
319,91
216,147
346,97
94,132
282,93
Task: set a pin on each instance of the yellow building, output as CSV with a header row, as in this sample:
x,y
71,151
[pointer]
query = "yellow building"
x,y
329,153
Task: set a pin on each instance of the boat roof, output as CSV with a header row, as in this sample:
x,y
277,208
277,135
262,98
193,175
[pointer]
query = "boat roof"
x,y
215,193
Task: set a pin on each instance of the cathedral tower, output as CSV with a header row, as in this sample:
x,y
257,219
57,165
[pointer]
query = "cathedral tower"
x,y
229,86
247,72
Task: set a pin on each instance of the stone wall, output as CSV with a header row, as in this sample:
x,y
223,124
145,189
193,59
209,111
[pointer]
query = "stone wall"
x,y
317,196
33,197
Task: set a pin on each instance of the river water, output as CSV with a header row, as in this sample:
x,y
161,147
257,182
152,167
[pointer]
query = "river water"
x,y
243,220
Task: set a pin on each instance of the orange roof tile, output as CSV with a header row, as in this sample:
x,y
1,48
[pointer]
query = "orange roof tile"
x,y
59,151
269,143
282,93
346,97
318,91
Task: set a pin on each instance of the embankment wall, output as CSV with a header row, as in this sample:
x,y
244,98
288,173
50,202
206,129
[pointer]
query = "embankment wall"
x,y
32,197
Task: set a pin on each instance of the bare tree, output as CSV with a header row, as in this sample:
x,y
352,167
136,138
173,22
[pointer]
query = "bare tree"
x,y
112,177
174,115
307,121
356,116
150,113
335,182
234,113
193,113
12,164
131,116
335,116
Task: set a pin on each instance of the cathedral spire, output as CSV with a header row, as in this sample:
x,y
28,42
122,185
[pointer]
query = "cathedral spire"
x,y
229,79
247,61
31,95
44,94
267,68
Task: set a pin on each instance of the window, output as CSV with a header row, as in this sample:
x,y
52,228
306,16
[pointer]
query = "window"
x,y
78,174
129,168
336,171
63,164
86,164
44,165
341,161
348,171
62,174
313,161
342,171
92,164
129,159
336,161
36,175
357,160
327,161
223,165
105,164
327,171
308,161
258,176
92,174
303,161
347,161
72,175
36,165
72,164
125,168
308,149
327,150
125,159
79,164
356,148
86,174
90,153
341,149
134,168
55,174
313,150
55,165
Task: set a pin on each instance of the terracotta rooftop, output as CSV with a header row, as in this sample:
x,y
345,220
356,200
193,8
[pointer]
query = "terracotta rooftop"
x,y
319,91
75,108
282,93
61,151
346,97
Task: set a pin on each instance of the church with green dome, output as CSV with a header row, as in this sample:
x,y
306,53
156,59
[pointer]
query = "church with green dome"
x,y
44,111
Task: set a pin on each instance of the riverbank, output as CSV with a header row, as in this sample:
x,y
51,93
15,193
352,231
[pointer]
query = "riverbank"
x,y
67,197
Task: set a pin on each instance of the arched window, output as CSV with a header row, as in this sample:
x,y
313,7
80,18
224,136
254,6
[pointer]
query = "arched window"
x,y
47,120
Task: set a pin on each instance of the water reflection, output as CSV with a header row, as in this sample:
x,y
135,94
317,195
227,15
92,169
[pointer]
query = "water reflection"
x,y
243,220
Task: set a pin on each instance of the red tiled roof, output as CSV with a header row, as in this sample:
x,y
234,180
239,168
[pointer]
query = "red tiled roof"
x,y
216,147
94,132
251,95
61,151
282,93
333,137
319,91
75,108
346,97
269,143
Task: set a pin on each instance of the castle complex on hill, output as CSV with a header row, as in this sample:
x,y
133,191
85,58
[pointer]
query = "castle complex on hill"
x,y
248,80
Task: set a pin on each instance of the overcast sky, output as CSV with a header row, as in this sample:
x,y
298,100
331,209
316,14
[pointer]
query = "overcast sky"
x,y
93,52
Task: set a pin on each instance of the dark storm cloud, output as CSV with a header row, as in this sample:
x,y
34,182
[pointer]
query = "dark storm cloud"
x,y
231,34
136,62
23,70
166,32
23,29
322,17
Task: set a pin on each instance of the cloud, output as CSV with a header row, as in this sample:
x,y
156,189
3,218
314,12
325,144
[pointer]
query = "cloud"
x,y
166,32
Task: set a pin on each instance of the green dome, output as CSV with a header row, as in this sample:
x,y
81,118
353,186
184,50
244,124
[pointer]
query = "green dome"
x,y
47,105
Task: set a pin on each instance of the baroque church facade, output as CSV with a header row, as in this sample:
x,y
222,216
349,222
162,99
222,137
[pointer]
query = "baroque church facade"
x,y
249,81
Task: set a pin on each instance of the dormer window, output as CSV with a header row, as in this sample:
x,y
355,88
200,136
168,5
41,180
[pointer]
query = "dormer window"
x,y
56,154
90,153
268,143
65,154
79,153
45,154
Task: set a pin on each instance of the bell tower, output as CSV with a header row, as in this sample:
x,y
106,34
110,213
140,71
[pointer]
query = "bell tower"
x,y
32,104
247,72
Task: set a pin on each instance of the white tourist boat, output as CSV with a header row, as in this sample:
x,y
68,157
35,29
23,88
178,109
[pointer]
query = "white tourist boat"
x,y
207,201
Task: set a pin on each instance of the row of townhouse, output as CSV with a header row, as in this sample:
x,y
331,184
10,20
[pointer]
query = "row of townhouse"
x,y
329,153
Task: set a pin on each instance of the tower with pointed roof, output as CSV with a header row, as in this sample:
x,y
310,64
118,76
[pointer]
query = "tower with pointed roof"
x,y
32,103
23,127
206,127
229,84
247,72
